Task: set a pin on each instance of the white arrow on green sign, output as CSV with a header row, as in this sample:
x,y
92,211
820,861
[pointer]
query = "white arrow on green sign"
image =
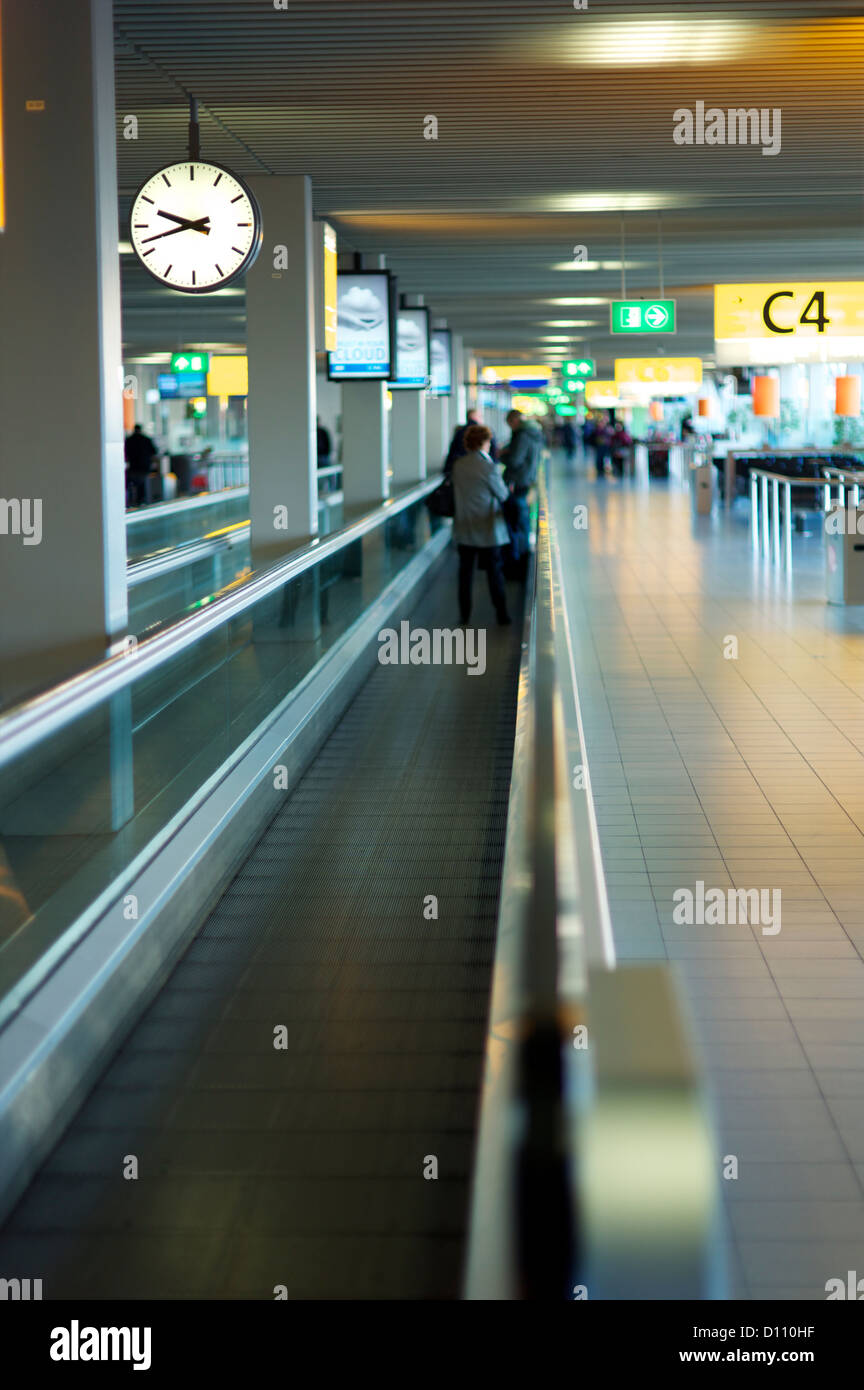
x,y
643,315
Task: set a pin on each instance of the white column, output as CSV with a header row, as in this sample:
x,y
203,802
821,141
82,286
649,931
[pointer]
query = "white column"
x,y
437,432
280,334
364,444
63,593
408,437
457,398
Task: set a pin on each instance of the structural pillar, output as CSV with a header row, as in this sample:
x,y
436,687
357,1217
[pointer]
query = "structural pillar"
x,y
365,437
458,405
62,489
408,437
280,336
437,432
364,444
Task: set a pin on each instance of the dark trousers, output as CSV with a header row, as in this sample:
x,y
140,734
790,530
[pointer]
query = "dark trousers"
x,y
136,488
491,561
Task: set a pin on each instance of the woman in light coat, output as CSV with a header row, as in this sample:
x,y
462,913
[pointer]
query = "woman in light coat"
x,y
479,528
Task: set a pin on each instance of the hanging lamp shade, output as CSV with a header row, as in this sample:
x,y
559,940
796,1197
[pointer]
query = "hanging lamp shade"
x,y
703,406
847,395
766,396
655,410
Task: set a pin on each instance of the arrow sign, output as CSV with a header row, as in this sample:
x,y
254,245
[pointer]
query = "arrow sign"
x,y
643,315
190,361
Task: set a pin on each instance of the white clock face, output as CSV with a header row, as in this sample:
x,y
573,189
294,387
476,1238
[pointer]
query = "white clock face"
x,y
195,226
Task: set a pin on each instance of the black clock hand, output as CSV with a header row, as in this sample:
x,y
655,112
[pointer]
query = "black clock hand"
x,y
185,221
188,227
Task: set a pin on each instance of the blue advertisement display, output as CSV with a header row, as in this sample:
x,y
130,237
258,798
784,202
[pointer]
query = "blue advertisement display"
x,y
364,349
183,387
412,350
442,363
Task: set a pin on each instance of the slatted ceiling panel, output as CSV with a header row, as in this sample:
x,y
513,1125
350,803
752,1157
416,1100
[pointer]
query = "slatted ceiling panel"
x,y
545,115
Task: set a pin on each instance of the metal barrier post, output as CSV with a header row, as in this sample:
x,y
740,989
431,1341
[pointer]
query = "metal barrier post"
x,y
775,520
787,530
754,512
766,537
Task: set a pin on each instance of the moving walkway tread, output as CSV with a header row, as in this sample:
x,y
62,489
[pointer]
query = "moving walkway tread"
x,y
303,1167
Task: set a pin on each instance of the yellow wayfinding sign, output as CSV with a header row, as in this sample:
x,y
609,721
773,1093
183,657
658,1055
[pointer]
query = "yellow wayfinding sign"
x,y
518,371
803,309
658,372
600,393
330,264
228,376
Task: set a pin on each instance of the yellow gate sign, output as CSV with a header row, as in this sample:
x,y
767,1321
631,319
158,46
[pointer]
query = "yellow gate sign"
x,y
602,393
803,309
658,374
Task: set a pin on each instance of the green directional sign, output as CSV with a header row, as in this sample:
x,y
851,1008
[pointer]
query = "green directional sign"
x,y
583,366
643,315
190,361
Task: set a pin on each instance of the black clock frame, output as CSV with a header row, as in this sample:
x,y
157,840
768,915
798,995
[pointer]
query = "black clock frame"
x,y
257,230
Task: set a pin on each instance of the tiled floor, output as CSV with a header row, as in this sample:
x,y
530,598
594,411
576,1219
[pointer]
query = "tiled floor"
x,y
743,771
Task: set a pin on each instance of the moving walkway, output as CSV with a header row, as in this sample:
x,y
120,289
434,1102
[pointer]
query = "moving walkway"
x,y
184,553
300,954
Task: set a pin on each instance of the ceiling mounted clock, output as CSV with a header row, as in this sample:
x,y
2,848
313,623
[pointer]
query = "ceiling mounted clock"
x,y
195,226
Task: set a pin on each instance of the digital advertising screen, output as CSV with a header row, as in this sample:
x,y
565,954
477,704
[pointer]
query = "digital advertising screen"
x,y
183,386
364,319
413,369
442,363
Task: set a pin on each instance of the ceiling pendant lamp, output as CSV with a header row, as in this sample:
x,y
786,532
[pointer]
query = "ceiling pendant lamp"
x,y
847,395
766,396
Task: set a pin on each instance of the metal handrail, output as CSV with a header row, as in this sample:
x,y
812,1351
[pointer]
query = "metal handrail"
x,y
27,724
186,553
769,526
522,1226
180,505
843,478
544,1205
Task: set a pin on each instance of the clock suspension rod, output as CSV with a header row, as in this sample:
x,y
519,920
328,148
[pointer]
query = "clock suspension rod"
x,y
194,131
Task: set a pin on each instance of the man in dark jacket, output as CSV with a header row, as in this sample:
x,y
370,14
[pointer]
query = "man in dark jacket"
x,y
457,443
139,452
521,459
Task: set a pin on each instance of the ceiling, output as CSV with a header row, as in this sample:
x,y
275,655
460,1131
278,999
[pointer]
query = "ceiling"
x,y
554,131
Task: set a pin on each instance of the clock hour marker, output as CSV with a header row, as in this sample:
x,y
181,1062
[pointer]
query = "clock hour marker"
x,y
167,270
150,250
193,277
167,180
237,199
216,180
237,249
141,226
146,199
219,271
191,171
244,224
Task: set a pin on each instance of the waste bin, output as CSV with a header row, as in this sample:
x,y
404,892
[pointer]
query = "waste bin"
x,y
844,554
702,484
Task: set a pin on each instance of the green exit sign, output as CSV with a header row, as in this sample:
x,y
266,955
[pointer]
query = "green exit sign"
x,y
643,315
583,366
190,361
